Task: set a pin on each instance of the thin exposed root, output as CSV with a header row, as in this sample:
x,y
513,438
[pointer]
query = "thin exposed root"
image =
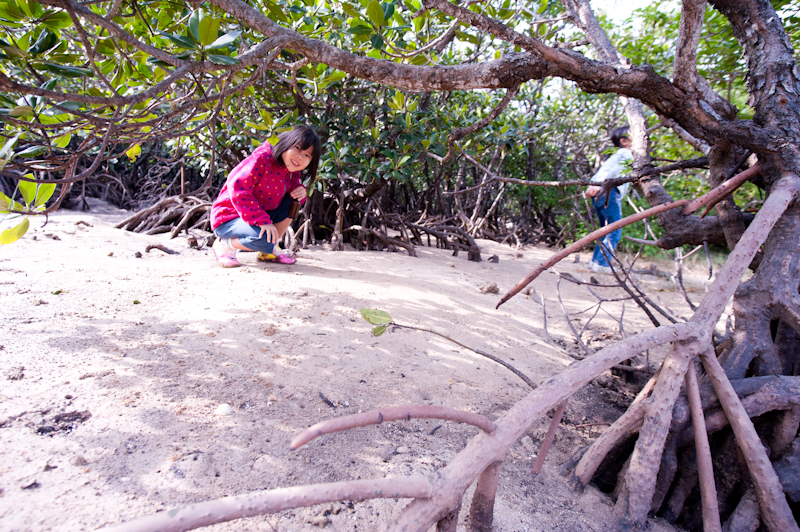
x,y
391,413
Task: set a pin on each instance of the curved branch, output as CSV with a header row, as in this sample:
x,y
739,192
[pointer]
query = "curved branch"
x,y
268,502
462,132
114,30
698,162
591,459
392,413
717,194
782,194
778,393
389,241
591,237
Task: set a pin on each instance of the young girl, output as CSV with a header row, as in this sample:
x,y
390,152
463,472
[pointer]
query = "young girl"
x,y
252,209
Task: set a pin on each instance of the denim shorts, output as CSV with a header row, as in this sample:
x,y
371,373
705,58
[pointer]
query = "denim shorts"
x,y
248,235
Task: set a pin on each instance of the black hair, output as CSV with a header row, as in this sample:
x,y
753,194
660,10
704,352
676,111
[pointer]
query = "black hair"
x,y
302,136
618,134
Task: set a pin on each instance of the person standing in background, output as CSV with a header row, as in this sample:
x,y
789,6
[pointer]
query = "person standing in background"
x,y
610,211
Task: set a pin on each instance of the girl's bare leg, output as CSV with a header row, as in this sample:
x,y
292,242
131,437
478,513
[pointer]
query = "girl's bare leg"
x,y
280,226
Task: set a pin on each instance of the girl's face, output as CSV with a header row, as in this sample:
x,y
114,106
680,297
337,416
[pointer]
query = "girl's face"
x,y
296,159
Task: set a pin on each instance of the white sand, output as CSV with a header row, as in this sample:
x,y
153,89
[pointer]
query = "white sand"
x,y
267,340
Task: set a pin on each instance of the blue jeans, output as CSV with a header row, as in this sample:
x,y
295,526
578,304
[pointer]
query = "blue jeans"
x,y
607,215
249,235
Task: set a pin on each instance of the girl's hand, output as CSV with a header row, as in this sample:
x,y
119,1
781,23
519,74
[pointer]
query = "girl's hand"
x,y
271,231
299,193
592,191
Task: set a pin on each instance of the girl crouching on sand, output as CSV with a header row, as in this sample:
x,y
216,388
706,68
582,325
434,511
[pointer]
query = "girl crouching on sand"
x,y
252,209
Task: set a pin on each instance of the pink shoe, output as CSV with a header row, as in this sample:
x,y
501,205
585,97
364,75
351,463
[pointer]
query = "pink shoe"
x,y
280,259
226,255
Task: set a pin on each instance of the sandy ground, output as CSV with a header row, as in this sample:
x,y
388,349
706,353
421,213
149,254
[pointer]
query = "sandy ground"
x,y
114,369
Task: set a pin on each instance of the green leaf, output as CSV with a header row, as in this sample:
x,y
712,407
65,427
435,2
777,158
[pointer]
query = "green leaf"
x,y
360,29
388,10
8,146
47,40
49,84
472,39
63,140
377,41
543,29
348,8
180,40
209,30
420,60
133,152
277,13
43,193
13,51
225,40
194,24
336,76
543,7
15,233
9,11
285,118
21,110
32,151
5,151
375,316
379,330
28,190
5,203
158,62
222,59
266,117
69,71
23,5
57,20
105,46
375,13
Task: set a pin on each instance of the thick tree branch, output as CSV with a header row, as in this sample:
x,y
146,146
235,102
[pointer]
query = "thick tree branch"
x,y
684,66
774,509
484,449
705,468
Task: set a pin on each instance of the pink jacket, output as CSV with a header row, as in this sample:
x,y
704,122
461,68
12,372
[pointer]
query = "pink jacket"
x,y
255,186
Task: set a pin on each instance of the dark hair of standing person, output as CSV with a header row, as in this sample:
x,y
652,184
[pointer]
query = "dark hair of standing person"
x,y
618,134
304,138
